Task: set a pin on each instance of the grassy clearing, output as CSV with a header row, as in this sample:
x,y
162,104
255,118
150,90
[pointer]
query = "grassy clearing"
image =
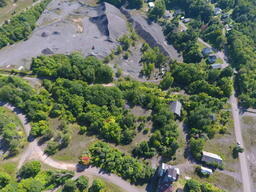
x,y
249,133
219,60
110,186
78,144
13,8
12,117
9,167
201,45
140,135
225,142
179,156
218,179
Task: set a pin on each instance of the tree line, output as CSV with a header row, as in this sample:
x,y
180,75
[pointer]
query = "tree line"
x,y
20,26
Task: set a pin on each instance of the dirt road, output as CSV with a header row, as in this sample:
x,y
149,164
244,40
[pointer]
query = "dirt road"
x,y
246,179
33,151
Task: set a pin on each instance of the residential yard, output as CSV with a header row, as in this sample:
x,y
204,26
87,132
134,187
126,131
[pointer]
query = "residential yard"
x,y
221,144
248,123
219,179
11,8
225,142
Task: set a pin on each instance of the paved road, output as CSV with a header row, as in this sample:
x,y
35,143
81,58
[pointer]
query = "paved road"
x,y
246,179
33,151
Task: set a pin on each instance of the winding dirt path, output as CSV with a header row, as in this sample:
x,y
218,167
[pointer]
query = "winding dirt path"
x,y
34,151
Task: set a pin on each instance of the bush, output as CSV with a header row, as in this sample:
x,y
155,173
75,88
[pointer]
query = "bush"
x,y
82,183
4,179
29,169
97,186
69,186
52,148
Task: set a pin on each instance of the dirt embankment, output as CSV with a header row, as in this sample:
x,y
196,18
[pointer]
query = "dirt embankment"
x,y
152,34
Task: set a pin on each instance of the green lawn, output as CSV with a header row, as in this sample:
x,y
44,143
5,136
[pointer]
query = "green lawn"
x,y
8,167
219,60
77,146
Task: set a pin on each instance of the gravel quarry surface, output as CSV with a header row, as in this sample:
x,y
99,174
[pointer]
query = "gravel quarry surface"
x,y
68,26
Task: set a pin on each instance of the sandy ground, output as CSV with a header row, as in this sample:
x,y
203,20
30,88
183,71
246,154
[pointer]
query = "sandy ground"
x,y
68,26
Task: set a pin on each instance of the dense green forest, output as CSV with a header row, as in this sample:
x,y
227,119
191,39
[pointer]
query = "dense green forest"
x,y
241,46
124,165
20,26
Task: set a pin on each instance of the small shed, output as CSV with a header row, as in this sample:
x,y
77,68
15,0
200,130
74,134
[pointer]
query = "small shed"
x,y
207,51
151,4
217,11
167,14
216,66
212,59
176,107
186,20
206,171
211,158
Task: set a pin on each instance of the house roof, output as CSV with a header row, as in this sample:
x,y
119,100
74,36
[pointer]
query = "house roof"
x,y
186,20
176,107
216,66
151,4
217,11
211,155
172,172
206,170
207,51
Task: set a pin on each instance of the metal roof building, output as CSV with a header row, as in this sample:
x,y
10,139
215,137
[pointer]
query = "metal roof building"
x,y
176,107
211,158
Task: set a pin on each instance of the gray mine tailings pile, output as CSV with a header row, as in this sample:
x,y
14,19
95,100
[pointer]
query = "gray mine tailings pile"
x,y
68,26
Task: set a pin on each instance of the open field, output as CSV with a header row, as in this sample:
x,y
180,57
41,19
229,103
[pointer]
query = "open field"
x,y
248,123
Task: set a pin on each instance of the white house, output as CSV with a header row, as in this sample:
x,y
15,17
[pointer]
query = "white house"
x,y
168,173
216,66
206,171
151,4
176,108
211,158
